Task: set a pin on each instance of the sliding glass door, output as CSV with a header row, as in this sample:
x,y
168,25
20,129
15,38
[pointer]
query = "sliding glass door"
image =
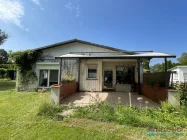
x,y
53,77
43,81
48,78
108,79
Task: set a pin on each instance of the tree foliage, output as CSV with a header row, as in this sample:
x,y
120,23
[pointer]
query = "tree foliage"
x,y
156,67
170,65
146,65
3,37
25,61
183,59
3,56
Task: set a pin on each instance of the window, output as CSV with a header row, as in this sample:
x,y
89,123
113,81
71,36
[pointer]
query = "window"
x,y
53,77
125,75
48,78
175,76
185,76
43,81
92,73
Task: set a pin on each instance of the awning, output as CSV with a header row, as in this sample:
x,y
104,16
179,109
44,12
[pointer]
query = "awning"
x,y
111,56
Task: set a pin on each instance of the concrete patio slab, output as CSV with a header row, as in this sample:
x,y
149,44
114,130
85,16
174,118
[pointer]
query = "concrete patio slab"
x,y
87,98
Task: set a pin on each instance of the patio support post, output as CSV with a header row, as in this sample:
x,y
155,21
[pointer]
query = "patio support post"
x,y
79,73
166,83
59,82
139,85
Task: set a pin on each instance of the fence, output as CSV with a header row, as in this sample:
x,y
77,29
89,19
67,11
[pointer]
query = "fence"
x,y
156,78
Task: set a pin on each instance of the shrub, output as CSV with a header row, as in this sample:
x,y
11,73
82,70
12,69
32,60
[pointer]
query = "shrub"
x,y
164,117
50,110
182,92
68,79
5,79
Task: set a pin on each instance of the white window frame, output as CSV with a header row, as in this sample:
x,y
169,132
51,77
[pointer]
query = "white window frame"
x,y
175,76
94,66
48,77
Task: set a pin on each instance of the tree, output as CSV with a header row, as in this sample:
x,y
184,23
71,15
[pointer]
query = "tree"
x,y
183,59
156,67
146,65
170,65
3,56
10,57
3,37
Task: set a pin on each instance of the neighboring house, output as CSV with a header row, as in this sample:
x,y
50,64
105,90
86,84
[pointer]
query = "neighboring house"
x,y
96,67
178,74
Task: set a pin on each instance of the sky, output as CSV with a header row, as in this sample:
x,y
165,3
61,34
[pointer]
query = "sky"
x,y
158,25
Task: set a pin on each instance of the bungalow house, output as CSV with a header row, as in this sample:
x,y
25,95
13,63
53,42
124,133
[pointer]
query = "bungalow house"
x,y
96,67
178,74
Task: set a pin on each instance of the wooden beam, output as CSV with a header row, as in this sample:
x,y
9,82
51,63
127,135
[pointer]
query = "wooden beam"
x,y
79,61
59,82
139,84
166,68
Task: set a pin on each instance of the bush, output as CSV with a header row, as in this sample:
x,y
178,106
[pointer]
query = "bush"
x,y
50,110
68,79
164,117
5,79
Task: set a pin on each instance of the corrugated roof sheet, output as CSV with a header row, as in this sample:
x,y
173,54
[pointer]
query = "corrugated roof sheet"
x,y
142,55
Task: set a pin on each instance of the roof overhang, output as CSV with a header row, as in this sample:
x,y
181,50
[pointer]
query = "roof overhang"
x,y
134,56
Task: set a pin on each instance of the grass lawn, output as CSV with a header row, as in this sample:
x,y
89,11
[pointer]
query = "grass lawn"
x,y
4,85
19,120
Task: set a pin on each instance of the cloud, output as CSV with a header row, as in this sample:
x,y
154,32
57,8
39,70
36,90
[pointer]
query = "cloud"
x,y
77,11
37,2
69,6
11,11
73,8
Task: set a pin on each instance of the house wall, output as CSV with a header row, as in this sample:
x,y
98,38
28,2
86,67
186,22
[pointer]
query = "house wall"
x,y
88,84
68,66
181,74
97,85
73,47
72,66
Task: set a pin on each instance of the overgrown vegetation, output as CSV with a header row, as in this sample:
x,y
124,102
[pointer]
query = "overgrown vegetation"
x,y
50,110
165,117
25,60
181,89
68,79
30,115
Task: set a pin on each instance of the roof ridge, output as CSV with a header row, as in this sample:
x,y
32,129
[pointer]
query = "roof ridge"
x,y
85,42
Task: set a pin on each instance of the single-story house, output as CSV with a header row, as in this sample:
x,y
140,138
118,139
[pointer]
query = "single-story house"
x,y
178,74
96,67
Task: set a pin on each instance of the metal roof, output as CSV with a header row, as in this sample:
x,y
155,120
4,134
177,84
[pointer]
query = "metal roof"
x,y
84,42
142,55
178,67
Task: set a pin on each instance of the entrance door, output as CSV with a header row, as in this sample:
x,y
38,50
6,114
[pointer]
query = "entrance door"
x,y
108,79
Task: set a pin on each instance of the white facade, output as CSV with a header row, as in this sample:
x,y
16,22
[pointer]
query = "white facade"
x,y
179,74
48,70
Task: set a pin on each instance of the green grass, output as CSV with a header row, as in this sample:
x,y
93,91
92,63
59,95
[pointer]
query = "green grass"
x,y
5,85
166,117
24,116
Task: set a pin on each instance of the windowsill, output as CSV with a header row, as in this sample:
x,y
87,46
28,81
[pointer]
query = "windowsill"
x,y
91,79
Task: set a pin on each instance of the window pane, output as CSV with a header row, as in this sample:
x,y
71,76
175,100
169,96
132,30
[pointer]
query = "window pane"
x,y
92,73
53,77
43,80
